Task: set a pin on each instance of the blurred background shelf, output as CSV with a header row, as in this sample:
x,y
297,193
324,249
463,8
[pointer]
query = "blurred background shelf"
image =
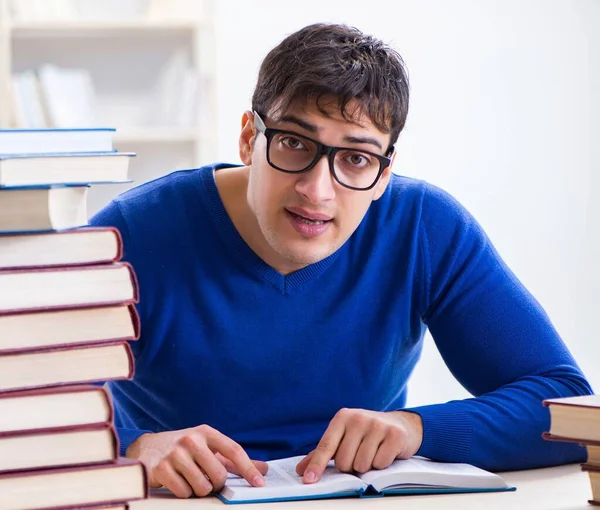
x,y
144,67
84,28
157,135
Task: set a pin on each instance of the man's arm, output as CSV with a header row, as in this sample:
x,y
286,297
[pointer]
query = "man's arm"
x,y
111,216
499,344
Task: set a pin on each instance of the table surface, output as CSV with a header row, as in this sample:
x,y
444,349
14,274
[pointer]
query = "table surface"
x,y
557,488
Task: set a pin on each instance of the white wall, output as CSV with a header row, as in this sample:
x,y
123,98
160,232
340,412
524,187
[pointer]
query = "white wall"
x,y
505,114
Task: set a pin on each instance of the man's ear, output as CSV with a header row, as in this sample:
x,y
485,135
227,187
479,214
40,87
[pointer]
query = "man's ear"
x,y
384,179
247,135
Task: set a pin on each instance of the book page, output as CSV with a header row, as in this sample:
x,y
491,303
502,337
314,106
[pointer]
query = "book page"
x,y
282,482
421,472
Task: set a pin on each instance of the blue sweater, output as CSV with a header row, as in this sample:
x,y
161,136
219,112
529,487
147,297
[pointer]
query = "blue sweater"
x,y
269,359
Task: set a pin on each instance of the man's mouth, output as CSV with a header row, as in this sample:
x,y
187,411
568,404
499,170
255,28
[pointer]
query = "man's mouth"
x,y
308,217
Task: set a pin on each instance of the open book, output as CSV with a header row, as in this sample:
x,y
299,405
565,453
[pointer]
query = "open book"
x,y
413,476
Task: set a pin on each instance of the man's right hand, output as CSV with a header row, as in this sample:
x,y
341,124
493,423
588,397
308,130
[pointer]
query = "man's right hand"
x,y
194,461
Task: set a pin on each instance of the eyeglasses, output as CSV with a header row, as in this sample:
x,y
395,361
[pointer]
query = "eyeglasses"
x,y
293,153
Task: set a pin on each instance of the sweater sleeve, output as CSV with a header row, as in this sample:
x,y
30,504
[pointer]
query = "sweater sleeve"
x,y
111,216
499,344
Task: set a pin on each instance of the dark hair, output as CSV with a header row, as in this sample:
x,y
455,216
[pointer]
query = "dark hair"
x,y
322,61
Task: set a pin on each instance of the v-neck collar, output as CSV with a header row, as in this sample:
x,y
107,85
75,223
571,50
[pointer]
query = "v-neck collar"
x,y
286,284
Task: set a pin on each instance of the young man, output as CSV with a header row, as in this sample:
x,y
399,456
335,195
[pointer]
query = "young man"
x,y
284,302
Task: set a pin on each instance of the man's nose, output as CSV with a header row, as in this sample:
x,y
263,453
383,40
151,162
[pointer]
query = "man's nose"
x,y
317,184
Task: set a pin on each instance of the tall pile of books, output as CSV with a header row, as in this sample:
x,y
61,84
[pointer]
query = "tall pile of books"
x,y
67,313
577,420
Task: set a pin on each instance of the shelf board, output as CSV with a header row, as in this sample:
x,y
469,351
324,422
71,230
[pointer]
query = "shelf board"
x,y
157,134
84,28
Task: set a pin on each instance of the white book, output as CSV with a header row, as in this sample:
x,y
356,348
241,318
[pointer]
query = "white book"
x,y
42,209
77,168
413,476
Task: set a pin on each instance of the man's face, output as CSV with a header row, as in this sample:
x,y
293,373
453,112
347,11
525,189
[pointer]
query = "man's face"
x,y
306,217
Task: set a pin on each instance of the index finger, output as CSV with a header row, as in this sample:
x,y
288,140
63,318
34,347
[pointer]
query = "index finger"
x,y
239,459
324,452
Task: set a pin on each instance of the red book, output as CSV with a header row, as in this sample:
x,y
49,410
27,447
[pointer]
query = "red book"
x,y
74,487
66,365
65,446
574,418
118,506
80,246
68,327
55,407
594,474
67,287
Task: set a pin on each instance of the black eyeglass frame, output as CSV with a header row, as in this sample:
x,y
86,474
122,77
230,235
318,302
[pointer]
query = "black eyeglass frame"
x,y
322,150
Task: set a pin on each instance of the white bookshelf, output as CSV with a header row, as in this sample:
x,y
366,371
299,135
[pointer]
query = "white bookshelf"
x,y
126,58
85,28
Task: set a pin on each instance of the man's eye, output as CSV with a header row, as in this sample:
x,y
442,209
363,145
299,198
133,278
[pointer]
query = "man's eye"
x,y
292,143
358,160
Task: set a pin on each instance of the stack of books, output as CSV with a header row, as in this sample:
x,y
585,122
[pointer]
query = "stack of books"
x,y
577,420
67,313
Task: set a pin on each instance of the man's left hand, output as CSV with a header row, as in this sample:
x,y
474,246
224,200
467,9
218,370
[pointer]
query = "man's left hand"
x,y
360,440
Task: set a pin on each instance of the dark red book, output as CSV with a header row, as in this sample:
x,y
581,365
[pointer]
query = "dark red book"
x,y
575,418
74,487
67,287
55,407
579,440
80,246
56,447
68,327
118,506
66,365
594,473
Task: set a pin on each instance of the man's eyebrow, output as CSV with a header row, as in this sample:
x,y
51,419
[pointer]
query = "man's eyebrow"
x,y
363,139
314,129
302,123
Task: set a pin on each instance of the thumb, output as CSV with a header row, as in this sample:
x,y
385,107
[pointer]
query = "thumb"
x,y
263,467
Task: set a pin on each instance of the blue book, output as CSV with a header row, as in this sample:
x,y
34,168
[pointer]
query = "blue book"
x,y
404,477
40,141
20,170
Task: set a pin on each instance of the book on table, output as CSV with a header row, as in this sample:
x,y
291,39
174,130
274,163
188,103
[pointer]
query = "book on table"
x,y
75,486
412,476
81,246
594,475
63,168
574,419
